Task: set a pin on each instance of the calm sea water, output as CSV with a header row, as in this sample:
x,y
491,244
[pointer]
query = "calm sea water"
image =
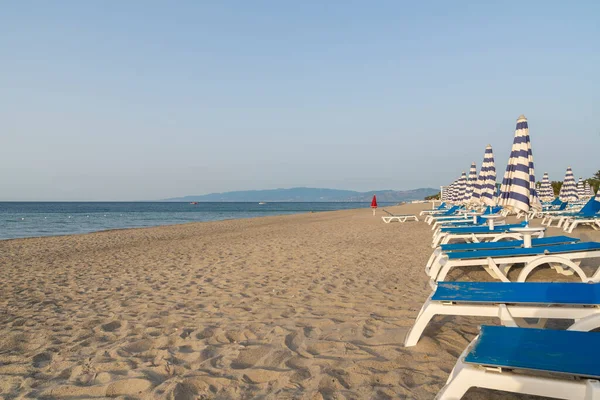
x,y
27,219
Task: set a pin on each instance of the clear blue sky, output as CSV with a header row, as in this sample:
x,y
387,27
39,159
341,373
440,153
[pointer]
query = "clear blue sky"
x,y
131,100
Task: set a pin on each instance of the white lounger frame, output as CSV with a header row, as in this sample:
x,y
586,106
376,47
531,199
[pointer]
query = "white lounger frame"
x,y
509,315
465,376
399,218
571,224
564,263
446,237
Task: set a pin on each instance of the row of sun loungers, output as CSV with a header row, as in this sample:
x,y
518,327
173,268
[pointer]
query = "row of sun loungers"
x,y
518,356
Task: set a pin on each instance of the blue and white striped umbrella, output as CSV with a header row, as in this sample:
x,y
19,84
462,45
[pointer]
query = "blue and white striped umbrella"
x,y
446,193
471,183
581,189
452,191
517,192
485,190
589,192
568,191
461,187
546,193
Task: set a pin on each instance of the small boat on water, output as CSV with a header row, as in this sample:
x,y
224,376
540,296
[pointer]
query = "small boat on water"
x,y
261,203
194,202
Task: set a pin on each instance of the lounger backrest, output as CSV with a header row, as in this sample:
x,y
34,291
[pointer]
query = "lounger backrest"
x,y
590,208
451,210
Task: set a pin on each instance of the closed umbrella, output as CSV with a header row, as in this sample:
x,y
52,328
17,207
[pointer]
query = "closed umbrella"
x,y
485,191
568,191
546,193
581,189
471,183
517,192
589,191
461,187
374,204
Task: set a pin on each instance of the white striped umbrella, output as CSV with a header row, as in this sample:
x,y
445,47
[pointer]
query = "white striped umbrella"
x,y
471,184
452,191
589,191
581,189
461,187
597,198
568,191
517,192
485,190
546,193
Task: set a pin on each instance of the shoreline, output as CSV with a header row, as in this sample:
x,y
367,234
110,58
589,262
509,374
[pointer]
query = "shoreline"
x,y
178,224
138,218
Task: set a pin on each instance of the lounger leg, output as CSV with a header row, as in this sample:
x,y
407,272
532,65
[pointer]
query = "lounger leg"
x,y
573,226
475,376
586,324
494,271
433,260
428,311
462,378
592,390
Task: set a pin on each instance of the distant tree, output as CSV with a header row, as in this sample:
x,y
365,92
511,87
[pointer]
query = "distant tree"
x,y
594,181
433,197
556,185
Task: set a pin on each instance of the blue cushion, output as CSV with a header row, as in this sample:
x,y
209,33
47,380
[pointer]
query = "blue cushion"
x,y
567,352
513,252
550,240
484,229
568,293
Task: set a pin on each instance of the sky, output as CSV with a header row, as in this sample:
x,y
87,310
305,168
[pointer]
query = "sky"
x,y
144,100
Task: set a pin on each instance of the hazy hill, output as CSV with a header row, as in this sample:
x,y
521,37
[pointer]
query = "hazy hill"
x,y
311,194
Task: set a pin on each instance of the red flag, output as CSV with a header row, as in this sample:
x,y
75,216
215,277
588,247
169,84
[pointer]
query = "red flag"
x,y
374,202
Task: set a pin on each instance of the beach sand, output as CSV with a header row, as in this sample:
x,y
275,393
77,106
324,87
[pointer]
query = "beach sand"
x,y
311,306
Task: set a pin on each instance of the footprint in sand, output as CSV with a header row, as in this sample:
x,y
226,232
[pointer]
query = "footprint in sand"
x,y
41,360
111,326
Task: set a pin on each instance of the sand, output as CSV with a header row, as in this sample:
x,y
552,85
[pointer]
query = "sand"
x,y
311,306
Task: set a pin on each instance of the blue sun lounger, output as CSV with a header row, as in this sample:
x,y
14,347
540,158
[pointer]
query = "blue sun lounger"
x,y
440,252
510,302
482,229
565,258
507,244
477,233
556,364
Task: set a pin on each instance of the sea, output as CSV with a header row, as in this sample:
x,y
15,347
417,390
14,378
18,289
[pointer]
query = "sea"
x,y
34,219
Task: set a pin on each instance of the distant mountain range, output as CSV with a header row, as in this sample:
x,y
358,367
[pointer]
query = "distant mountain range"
x,y
302,194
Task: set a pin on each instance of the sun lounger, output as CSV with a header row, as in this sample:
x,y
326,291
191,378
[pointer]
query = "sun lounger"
x,y
588,215
511,302
440,252
478,234
451,212
573,223
588,212
398,217
539,362
441,207
564,258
